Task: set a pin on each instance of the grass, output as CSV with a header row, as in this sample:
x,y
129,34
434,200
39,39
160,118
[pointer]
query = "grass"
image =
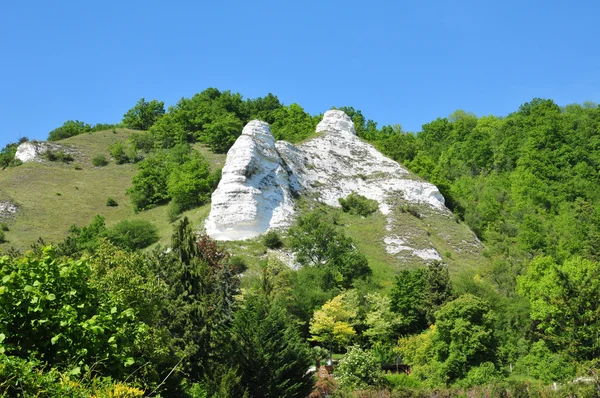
x,y
53,196
35,187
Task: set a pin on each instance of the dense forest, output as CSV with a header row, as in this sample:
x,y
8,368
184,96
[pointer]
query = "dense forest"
x,y
96,315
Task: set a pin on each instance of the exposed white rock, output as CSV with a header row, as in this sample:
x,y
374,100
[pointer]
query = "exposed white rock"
x,y
8,209
261,177
255,192
428,254
31,151
395,245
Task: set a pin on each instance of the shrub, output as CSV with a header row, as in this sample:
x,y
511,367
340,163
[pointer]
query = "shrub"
x,y
133,235
99,161
358,205
238,264
174,211
272,241
111,202
58,156
359,369
2,237
119,153
3,226
398,380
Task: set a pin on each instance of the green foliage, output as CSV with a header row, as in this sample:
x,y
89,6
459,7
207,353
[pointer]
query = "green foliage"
x,y
272,356
332,324
24,378
7,154
111,202
418,294
359,369
69,129
565,304
4,226
358,205
192,183
222,132
408,301
99,161
132,235
293,124
176,173
480,375
122,153
317,242
200,308
144,114
58,156
52,309
83,239
272,240
542,364
381,323
464,336
2,236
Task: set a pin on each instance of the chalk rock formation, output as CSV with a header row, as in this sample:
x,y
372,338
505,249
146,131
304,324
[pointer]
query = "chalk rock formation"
x,y
255,191
33,150
261,177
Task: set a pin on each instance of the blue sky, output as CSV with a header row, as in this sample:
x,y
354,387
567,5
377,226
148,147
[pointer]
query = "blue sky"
x,y
399,62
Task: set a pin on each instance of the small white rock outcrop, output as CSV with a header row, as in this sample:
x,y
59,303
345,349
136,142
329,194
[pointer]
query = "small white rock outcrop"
x,y
31,151
261,177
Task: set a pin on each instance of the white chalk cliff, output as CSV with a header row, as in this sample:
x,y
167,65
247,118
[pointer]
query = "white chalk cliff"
x,y
261,177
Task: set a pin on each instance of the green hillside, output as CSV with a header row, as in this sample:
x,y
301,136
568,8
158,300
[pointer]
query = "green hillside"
x,y
52,196
512,309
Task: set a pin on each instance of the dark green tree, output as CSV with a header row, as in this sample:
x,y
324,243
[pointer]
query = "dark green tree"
x,y
271,355
144,114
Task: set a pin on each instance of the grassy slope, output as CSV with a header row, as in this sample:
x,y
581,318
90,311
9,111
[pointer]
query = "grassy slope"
x,y
54,196
83,193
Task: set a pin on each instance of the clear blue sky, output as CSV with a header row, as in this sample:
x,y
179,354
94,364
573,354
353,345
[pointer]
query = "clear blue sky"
x,y
398,61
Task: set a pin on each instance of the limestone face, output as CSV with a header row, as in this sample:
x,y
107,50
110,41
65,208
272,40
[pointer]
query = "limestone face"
x,y
261,177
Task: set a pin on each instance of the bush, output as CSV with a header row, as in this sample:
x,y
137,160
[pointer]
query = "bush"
x,y
359,369
358,205
133,235
398,380
272,241
2,237
99,161
58,156
238,264
111,202
3,226
119,153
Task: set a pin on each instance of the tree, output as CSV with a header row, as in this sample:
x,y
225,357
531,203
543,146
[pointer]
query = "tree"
x,y
292,123
222,132
438,288
201,304
271,355
317,242
191,183
382,324
565,307
69,128
144,114
406,299
464,335
332,324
